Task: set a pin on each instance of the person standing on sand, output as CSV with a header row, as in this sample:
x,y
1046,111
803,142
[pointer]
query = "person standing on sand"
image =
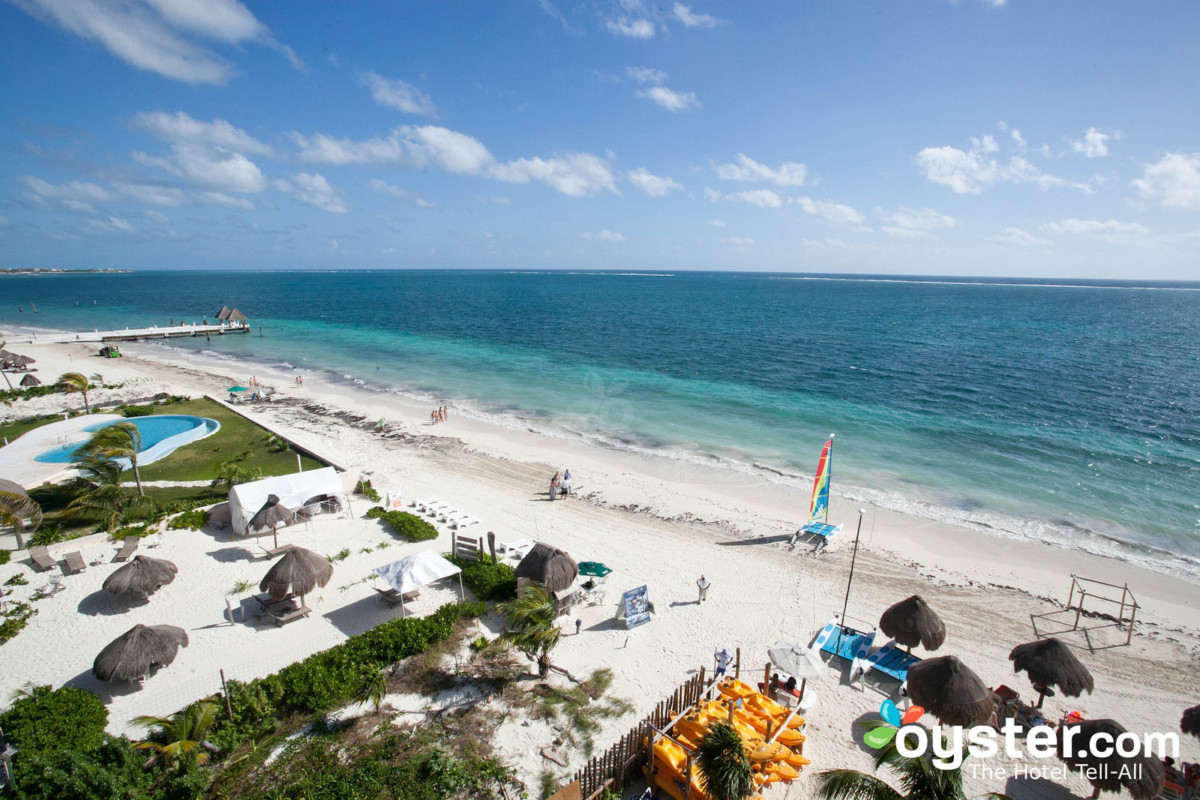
x,y
566,482
433,418
554,487
703,584
722,657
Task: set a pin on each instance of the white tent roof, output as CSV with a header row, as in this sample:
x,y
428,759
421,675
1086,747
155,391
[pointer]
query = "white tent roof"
x,y
416,571
247,498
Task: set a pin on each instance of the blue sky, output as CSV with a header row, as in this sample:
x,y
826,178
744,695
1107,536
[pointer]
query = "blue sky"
x,y
977,137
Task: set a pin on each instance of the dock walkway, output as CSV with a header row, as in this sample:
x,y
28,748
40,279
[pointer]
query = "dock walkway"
x,y
131,334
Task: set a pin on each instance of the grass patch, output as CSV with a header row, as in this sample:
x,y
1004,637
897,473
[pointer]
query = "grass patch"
x,y
239,440
11,430
53,498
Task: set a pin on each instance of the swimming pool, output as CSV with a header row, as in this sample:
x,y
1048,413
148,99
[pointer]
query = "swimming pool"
x,y
161,434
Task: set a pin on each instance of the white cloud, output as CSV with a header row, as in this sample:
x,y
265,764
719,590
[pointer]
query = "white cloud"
x,y
691,19
1174,181
604,236
1094,143
430,146
206,154
763,198
789,173
398,94
76,196
972,171
111,225
635,29
653,185
905,233
670,99
222,199
716,223
157,216
832,212
152,34
711,194
169,196
1015,237
496,200
315,191
400,194
646,75
1091,226
181,128
918,219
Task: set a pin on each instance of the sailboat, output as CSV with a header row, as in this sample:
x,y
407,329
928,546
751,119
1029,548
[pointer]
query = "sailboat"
x,y
818,511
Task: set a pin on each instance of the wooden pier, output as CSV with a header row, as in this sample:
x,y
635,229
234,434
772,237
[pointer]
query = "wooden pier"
x,y
208,330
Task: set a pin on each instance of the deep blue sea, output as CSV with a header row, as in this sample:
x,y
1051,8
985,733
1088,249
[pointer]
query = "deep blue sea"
x,y
1063,411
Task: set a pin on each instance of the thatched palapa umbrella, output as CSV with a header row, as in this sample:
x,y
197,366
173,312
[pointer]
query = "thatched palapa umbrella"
x,y
18,510
1141,774
299,571
30,380
223,314
1049,662
1190,721
548,566
948,689
134,653
142,575
271,515
236,316
21,362
911,622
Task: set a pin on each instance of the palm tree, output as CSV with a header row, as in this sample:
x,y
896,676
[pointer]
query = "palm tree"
x,y
76,382
725,771
371,687
531,624
231,475
919,779
113,442
98,492
18,511
183,732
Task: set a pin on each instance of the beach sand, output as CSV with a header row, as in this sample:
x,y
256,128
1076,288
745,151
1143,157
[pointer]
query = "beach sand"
x,y
655,522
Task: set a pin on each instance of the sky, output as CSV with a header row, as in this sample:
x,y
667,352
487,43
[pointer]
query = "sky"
x,y
931,137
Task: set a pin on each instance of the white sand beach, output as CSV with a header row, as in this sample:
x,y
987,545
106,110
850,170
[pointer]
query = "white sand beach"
x,y
655,522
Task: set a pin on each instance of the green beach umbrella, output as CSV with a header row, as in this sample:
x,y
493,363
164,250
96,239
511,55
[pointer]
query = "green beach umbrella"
x,y
237,389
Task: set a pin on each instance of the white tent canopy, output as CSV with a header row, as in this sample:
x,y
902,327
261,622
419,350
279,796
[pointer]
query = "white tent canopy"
x,y
293,490
419,569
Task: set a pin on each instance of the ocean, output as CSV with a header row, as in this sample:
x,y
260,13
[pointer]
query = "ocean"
x,y
1063,411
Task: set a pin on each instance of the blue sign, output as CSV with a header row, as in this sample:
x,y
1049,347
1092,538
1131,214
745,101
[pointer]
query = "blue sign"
x,y
637,607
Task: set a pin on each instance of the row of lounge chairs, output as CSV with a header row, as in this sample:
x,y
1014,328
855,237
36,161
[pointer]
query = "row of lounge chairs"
x,y
444,512
855,646
72,562
283,610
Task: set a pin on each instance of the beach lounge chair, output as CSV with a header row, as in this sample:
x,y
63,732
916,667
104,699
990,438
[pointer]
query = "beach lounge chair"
x,y
266,601
127,549
435,509
516,549
394,598
275,551
154,540
464,522
74,563
290,616
891,661
41,558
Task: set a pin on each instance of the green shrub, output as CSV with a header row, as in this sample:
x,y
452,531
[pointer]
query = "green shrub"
x,y
410,526
487,581
111,770
48,720
17,580
47,535
5,556
197,519
140,531
137,411
15,617
365,488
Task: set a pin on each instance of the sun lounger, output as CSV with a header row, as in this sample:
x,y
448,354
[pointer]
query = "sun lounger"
x,y
74,563
891,661
516,549
290,616
41,558
266,601
393,597
464,522
275,551
434,509
127,549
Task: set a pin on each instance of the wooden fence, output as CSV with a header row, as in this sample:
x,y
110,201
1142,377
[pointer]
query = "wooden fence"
x,y
623,762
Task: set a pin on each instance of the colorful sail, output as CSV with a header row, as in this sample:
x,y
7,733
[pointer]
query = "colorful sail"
x,y
820,495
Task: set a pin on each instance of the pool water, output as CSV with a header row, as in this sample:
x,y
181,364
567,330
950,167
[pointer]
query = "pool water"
x,y
161,435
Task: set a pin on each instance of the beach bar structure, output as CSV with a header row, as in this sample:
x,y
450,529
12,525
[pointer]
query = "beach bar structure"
x,y
296,491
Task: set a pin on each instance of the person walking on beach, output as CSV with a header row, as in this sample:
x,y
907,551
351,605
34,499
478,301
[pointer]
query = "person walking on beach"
x,y
433,417
703,584
566,482
722,657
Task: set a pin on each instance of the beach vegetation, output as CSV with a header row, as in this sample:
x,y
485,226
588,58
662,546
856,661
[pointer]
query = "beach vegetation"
x,y
18,511
99,496
365,488
410,526
340,555
242,586
231,474
5,555
487,580
113,443
112,769
136,411
48,535
180,737
371,687
580,708
43,719
725,771
918,778
15,616
531,627
17,580
195,519
277,444
72,382
139,530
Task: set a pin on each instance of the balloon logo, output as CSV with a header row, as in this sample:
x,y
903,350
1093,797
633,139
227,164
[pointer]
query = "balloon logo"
x,y
878,738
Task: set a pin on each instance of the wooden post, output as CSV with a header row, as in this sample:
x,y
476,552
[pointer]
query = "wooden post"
x,y
453,544
731,711
1132,617
767,680
1121,613
492,545
687,790
225,689
737,666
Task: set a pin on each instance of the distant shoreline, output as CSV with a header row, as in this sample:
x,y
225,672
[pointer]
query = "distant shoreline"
x,y
52,271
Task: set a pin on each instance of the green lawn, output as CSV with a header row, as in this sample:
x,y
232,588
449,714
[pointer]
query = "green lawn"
x,y
54,499
11,430
238,440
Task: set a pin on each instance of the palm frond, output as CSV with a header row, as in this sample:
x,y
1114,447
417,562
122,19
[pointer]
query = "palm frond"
x,y
849,784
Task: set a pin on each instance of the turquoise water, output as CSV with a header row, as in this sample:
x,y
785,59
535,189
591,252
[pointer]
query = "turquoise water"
x,y
1062,411
161,435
